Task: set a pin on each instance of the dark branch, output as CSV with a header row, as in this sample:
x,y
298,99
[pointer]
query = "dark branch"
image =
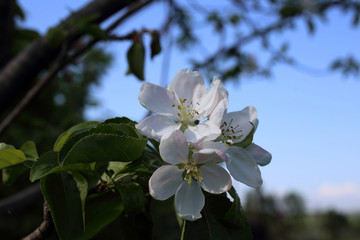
x,y
45,228
60,64
18,74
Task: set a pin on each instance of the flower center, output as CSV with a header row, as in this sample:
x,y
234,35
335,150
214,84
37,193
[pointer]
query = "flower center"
x,y
229,132
186,111
192,172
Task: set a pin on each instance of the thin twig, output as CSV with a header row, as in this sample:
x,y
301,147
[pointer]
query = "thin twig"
x,y
60,64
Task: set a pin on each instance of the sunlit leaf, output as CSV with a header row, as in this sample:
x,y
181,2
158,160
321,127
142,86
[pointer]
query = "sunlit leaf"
x,y
29,149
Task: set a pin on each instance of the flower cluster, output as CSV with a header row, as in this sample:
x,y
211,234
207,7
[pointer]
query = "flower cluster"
x,y
196,134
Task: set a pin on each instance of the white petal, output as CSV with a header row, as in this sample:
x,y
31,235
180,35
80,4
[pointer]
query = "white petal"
x,y
215,179
189,201
165,181
157,126
188,85
207,156
204,131
158,100
261,156
243,167
174,148
219,112
216,94
237,124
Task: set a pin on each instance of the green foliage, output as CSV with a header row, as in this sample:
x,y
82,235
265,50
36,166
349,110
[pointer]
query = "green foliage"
x,y
10,156
136,59
221,219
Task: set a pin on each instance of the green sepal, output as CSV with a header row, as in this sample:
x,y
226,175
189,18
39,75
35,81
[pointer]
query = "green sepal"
x,y
248,140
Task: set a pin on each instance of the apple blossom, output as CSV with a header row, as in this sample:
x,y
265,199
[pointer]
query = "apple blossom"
x,y
185,105
189,172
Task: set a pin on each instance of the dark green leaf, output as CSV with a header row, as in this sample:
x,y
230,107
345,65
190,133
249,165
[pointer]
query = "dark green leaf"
x,y
136,59
69,144
63,196
10,174
220,220
132,196
236,216
75,129
101,210
47,162
29,149
104,148
82,185
120,120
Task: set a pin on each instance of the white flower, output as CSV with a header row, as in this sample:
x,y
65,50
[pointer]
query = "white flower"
x,y
184,105
242,163
186,175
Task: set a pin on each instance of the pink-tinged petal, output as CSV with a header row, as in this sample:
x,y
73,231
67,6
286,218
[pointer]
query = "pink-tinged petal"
x,y
157,126
165,181
261,156
158,100
174,148
189,201
236,126
207,156
219,148
243,167
204,131
188,85
217,94
215,179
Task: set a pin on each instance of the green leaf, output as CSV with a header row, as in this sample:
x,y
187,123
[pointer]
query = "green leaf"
x,y
120,120
29,149
220,220
101,210
9,156
82,185
44,165
236,216
104,148
69,144
136,59
63,197
75,129
132,196
10,174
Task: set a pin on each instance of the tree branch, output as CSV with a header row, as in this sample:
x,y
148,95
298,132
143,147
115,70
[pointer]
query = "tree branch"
x,y
60,64
17,75
45,228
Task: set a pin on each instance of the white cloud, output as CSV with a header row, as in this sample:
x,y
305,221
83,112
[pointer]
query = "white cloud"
x,y
349,189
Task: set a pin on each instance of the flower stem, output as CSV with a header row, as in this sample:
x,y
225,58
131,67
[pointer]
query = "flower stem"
x,y
183,230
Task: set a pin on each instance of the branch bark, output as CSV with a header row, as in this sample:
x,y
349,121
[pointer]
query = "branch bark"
x,y
16,77
45,228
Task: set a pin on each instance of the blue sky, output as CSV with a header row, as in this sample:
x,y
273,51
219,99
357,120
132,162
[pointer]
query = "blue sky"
x,y
308,119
